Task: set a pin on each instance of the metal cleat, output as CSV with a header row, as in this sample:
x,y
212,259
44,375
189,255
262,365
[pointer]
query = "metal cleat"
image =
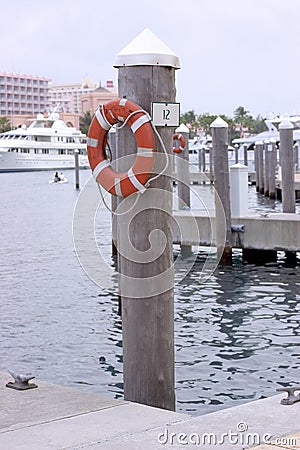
x,y
21,382
291,398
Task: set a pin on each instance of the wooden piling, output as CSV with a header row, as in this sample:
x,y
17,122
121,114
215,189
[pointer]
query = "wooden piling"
x,y
266,167
256,165
211,168
236,153
296,156
203,156
222,197
112,136
245,155
260,163
148,319
183,179
76,156
287,175
183,174
287,166
272,151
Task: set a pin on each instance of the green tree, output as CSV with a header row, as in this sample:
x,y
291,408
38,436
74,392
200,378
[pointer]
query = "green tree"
x,y
205,120
84,122
241,115
190,120
4,124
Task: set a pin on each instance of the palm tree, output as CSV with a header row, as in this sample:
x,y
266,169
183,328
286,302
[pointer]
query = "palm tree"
x,y
4,124
84,122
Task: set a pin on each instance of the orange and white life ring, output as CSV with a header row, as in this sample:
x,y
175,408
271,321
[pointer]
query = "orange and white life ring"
x,y
121,110
180,138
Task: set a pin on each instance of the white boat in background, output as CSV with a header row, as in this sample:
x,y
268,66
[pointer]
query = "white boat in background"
x,y
272,132
46,144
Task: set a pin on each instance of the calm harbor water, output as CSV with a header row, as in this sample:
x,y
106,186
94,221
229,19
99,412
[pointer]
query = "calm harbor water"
x,y
236,335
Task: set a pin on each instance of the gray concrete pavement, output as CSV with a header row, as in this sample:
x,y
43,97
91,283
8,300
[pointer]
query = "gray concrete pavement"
x,y
55,417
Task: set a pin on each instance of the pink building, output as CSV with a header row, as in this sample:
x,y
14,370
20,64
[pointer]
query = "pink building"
x,y
23,94
90,101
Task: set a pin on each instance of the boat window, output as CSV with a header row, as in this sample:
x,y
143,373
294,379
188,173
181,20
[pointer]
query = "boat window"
x,y
45,151
61,151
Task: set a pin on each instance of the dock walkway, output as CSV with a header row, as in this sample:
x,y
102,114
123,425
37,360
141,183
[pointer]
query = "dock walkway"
x,y
56,417
274,231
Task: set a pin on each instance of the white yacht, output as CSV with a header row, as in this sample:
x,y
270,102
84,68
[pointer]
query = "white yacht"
x,y
46,144
272,132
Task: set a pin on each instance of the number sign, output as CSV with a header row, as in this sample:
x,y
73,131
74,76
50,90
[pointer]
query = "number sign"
x,y
165,114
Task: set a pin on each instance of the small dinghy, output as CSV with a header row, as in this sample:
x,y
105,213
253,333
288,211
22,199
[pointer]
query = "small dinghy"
x,y
60,179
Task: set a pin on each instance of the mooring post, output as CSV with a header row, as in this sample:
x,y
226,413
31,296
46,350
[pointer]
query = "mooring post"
x,y
236,153
183,174
183,178
211,168
287,166
260,162
272,152
287,174
112,140
199,159
203,153
296,156
238,177
147,74
245,155
267,165
76,156
222,190
256,165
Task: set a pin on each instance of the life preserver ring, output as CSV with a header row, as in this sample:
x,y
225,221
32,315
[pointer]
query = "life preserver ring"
x,y
180,138
119,110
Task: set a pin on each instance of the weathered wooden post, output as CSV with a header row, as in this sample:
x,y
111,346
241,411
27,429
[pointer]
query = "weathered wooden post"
x,y
183,178
245,155
296,155
147,74
256,165
260,162
287,166
272,150
203,156
211,168
183,174
76,156
112,137
222,197
267,165
236,153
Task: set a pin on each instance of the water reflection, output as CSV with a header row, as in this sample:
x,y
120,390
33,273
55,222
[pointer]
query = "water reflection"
x,y
236,335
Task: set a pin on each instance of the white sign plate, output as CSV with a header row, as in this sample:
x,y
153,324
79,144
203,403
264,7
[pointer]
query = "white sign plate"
x,y
165,114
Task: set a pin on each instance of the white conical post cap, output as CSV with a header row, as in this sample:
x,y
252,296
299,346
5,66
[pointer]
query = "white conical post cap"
x,y
182,129
147,50
219,123
286,125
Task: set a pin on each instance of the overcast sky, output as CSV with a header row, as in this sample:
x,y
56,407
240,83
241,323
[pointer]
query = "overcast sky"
x,y
232,52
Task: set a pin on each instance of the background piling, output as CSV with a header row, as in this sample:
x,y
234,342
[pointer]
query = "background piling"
x,y
287,166
222,198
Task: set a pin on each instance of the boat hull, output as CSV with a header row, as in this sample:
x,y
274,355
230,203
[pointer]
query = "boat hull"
x,y
16,162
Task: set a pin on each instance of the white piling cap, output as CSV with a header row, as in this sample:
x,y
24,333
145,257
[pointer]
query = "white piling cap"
x,y
147,50
259,143
219,123
286,125
182,129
